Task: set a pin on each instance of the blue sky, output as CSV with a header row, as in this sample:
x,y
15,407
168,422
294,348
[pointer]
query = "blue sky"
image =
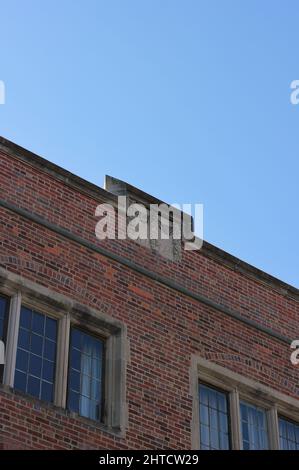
x,y
187,100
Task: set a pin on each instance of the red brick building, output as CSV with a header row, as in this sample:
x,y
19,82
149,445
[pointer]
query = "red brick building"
x,y
113,345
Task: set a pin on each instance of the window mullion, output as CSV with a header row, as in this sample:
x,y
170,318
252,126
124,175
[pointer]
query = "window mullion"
x,y
236,437
62,361
273,428
12,339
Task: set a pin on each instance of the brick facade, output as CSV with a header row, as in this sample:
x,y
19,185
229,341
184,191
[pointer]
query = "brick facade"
x,y
209,304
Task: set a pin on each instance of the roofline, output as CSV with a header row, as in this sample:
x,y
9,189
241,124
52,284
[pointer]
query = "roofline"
x,y
100,194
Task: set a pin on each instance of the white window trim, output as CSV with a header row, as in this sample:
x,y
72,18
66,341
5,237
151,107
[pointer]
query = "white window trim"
x,y
239,388
69,313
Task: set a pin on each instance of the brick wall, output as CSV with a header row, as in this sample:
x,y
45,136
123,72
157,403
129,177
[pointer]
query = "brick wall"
x,y
164,326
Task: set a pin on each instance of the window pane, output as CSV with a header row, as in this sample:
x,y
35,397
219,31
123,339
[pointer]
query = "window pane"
x,y
204,435
254,427
38,322
47,392
36,355
50,329
213,415
48,371
25,318
3,316
289,434
85,374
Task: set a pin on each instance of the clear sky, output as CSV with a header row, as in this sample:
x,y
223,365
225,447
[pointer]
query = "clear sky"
x,y
187,100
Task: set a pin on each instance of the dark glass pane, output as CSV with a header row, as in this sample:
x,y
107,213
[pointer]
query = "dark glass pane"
x,y
85,385
212,399
245,432
292,445
37,344
222,406
75,381
204,414
33,386
283,428
203,395
1,329
3,316
24,339
86,364
22,361
3,305
51,328
93,410
214,438
73,401
244,414
290,432
96,368
260,419
204,435
47,392
20,381
25,318
38,323
213,418
35,365
246,445
75,359
87,341
49,350
285,444
85,405
76,339
48,371
224,443
223,422
289,435
96,390
97,350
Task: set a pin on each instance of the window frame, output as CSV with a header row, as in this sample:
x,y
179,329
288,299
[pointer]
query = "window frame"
x,y
288,420
103,384
47,312
226,393
69,313
5,330
259,407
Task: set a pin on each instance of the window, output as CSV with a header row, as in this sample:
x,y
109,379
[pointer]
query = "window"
x,y
236,412
288,435
85,390
36,354
64,352
213,412
254,427
3,317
